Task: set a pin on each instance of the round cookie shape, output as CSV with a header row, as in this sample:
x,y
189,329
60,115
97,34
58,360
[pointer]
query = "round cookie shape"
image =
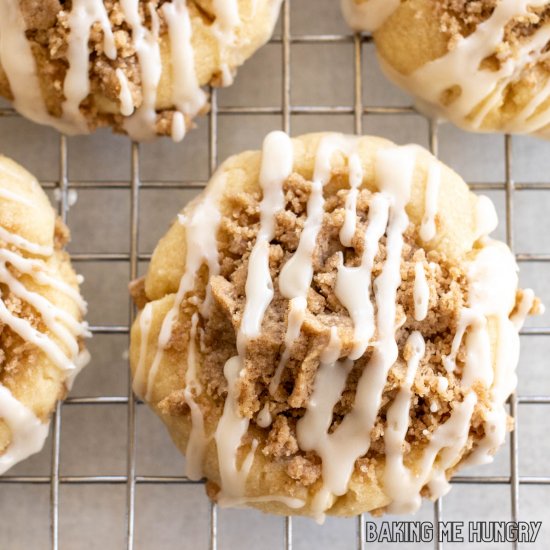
x,y
41,310
482,65
138,66
328,329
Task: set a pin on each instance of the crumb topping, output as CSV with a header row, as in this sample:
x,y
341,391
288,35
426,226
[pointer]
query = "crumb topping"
x,y
432,402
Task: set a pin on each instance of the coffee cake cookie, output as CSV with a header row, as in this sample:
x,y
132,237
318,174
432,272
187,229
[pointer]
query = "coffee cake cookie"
x,y
41,310
328,328
138,66
482,64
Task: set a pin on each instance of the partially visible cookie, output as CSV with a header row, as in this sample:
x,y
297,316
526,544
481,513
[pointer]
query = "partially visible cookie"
x,y
138,66
328,328
482,64
41,311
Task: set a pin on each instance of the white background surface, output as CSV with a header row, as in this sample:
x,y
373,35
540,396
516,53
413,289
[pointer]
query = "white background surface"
x,y
93,438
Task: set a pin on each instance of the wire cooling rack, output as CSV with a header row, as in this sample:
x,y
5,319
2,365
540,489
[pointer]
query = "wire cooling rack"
x,y
358,110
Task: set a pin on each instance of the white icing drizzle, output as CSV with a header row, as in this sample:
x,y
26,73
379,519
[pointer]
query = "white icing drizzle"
x,y
228,436
421,292
467,318
492,293
277,158
347,230
290,502
35,268
296,275
493,284
478,364
28,432
427,227
276,167
397,422
492,277
15,197
368,15
178,127
187,95
76,87
227,75
227,13
486,216
483,88
141,125
66,330
201,228
125,95
224,29
296,314
351,439
353,284
80,361
49,313
312,428
442,384
446,444
24,244
533,117
139,383
264,418
20,69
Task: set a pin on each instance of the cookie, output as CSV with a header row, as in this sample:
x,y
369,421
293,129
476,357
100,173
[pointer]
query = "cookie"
x,y
41,311
483,65
328,328
138,66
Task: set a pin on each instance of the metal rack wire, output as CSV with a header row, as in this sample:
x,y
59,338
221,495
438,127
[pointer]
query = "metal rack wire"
x,y
285,110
